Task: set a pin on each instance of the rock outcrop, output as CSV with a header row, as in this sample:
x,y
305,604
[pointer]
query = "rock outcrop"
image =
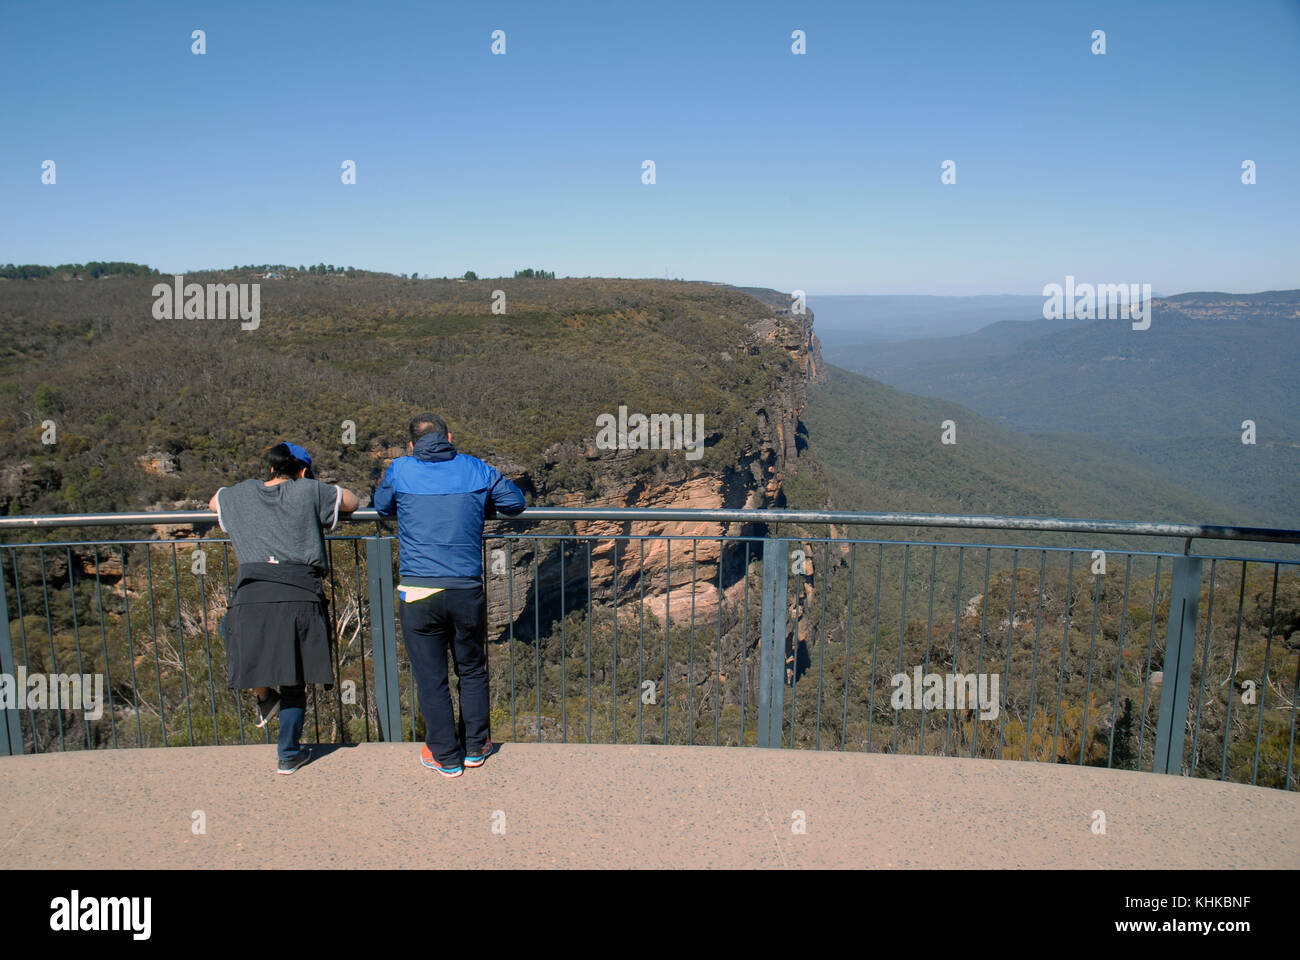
x,y
666,568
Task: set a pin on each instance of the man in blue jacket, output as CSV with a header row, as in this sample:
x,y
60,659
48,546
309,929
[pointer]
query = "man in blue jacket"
x,y
441,498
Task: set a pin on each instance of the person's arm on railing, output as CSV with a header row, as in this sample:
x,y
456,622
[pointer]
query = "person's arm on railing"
x,y
215,507
384,499
504,497
334,501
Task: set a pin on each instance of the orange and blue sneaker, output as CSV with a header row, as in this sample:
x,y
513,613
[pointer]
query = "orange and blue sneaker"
x,y
476,758
426,758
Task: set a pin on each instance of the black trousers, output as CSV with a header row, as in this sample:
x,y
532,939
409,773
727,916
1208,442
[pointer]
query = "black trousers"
x,y
455,618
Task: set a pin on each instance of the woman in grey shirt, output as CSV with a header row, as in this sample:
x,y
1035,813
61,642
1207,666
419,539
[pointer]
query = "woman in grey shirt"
x,y
276,631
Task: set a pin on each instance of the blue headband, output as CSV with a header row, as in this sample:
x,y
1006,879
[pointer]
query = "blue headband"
x,y
299,453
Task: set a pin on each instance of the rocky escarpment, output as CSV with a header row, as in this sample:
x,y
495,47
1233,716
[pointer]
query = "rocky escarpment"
x,y
664,569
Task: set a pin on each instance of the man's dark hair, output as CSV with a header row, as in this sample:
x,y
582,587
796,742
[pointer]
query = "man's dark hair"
x,y
428,423
283,463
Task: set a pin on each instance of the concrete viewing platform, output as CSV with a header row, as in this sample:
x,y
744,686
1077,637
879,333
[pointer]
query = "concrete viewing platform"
x,y
576,805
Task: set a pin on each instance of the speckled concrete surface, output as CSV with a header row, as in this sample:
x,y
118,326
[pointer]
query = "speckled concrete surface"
x,y
374,805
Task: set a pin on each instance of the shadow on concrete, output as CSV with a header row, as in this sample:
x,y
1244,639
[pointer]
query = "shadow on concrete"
x,y
319,751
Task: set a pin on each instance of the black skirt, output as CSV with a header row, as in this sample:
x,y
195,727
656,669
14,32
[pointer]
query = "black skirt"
x,y
277,644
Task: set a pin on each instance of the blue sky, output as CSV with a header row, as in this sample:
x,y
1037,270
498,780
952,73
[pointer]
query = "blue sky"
x,y
818,172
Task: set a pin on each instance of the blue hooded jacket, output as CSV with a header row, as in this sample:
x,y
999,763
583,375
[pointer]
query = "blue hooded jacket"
x,y
441,498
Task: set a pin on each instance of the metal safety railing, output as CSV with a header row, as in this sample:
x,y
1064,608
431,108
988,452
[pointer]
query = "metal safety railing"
x,y
706,627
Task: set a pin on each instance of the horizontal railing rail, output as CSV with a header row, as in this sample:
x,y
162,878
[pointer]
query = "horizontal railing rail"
x,y
1134,658
1194,531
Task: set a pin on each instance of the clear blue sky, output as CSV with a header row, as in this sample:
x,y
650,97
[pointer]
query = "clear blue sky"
x,y
819,172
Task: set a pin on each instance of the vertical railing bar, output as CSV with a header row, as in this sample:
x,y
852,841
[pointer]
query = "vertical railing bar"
x,y
1119,661
130,647
929,632
762,733
103,639
824,585
766,630
239,707
394,620
979,667
613,699
207,645
153,622
796,640
778,627
1263,689
1232,674
1033,675
1205,666
875,645
49,627
1290,750
668,625
690,660
957,626
180,638
590,614
510,591
717,656
76,639
848,650
902,630
1092,649
776,715
1179,661
361,638
794,653
390,614
640,653
744,649
1060,667
1011,639
11,717
81,669
1146,682
537,632
333,635
564,666
22,633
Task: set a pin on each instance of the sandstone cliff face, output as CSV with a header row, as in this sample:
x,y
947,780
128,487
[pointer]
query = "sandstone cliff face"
x,y
665,569
158,463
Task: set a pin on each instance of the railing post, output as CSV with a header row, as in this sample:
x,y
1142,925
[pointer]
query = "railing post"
x,y
383,637
1180,652
11,731
771,658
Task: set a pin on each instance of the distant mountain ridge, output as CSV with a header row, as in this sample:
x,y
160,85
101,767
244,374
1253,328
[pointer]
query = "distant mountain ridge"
x,y
1171,399
887,318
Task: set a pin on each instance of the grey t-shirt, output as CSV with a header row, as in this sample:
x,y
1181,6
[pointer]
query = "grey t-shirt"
x,y
279,524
